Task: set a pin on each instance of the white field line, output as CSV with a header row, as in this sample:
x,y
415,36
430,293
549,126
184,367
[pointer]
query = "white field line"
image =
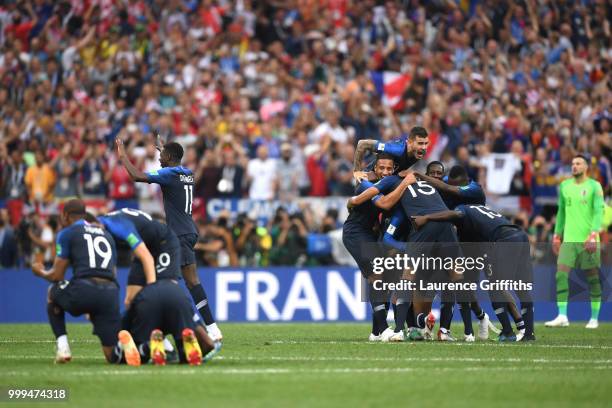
x,y
268,371
490,343
94,357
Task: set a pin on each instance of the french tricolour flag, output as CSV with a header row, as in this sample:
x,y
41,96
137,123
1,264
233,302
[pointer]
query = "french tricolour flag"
x,y
390,86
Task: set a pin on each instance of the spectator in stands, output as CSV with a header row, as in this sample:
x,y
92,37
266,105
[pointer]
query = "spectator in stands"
x,y
289,170
66,170
13,185
262,175
8,241
40,180
480,77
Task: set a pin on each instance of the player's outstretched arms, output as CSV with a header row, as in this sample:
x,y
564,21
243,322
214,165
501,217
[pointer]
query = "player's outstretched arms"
x,y
148,263
135,174
368,194
55,274
440,185
386,202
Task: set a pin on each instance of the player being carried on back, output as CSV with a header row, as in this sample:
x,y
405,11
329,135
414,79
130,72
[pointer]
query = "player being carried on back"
x,y
176,184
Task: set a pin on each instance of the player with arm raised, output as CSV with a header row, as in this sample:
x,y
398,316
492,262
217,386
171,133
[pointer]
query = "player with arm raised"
x,y
579,216
90,251
176,184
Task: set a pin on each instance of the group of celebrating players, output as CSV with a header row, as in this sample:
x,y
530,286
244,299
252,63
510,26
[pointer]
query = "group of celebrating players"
x,y
431,214
396,209
156,305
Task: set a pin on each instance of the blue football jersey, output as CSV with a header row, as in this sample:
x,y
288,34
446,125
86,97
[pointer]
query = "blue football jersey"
x,y
479,223
366,214
421,198
397,149
471,193
134,227
89,249
177,189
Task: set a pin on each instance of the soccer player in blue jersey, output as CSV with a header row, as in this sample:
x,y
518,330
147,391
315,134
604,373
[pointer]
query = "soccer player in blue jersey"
x,y
359,228
92,290
478,223
176,184
405,152
163,307
461,190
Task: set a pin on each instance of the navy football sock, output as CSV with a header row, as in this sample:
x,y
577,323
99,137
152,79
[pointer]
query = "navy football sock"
x,y
466,316
502,316
401,313
527,312
478,312
379,318
410,320
57,319
446,315
201,301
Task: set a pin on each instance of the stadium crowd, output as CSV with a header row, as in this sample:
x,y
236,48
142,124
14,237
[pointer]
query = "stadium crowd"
x,y
270,98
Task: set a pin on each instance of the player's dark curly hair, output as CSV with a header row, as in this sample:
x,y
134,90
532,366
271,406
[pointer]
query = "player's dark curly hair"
x,y
457,172
418,131
75,207
384,156
174,151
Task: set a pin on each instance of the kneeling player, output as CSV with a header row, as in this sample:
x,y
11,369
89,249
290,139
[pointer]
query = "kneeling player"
x,y
165,306
92,290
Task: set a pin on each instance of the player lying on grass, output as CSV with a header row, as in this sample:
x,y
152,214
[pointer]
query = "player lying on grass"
x,y
359,228
163,308
579,220
93,290
176,184
478,223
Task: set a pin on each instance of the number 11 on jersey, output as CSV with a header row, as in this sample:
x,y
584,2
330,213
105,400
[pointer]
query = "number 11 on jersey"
x,y
188,198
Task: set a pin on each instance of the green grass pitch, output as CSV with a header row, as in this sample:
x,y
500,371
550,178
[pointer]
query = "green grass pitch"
x,y
288,365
